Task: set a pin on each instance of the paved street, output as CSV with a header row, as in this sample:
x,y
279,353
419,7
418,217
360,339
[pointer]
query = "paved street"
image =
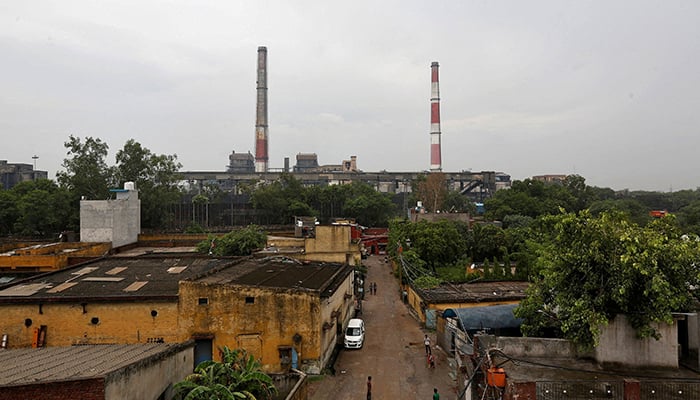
x,y
393,353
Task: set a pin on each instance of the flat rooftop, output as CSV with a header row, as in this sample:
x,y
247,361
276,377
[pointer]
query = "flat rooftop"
x,y
283,273
477,292
55,364
113,279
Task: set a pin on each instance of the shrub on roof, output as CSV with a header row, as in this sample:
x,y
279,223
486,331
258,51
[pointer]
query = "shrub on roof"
x,y
241,242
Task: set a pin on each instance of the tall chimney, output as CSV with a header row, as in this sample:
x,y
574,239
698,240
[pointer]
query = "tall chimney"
x,y
261,114
435,152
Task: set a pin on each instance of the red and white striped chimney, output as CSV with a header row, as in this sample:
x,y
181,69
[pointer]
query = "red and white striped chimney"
x,y
435,152
261,113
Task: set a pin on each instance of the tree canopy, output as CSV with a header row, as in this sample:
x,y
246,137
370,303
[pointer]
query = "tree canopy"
x,y
156,178
589,269
240,242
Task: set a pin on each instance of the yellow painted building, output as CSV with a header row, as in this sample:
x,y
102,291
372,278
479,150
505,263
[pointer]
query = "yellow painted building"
x,y
120,300
330,243
45,257
428,303
286,312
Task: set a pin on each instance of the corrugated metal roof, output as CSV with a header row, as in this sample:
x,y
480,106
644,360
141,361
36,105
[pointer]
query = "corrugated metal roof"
x,y
478,292
52,364
117,278
276,272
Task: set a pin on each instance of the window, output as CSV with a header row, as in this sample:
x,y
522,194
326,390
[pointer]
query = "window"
x,y
203,301
249,300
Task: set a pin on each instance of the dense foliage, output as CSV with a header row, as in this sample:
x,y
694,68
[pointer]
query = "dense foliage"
x,y
156,178
237,376
591,268
240,242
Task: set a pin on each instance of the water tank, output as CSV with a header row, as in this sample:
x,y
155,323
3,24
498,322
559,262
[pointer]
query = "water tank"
x,y
129,186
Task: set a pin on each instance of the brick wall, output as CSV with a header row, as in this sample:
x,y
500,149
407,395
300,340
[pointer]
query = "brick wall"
x,y
89,389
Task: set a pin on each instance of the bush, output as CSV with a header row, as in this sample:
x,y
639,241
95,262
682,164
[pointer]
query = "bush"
x,y
240,242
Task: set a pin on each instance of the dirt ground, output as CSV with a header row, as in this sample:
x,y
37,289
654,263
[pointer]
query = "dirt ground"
x,y
393,353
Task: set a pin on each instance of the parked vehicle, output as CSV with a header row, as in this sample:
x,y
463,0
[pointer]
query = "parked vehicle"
x,y
355,334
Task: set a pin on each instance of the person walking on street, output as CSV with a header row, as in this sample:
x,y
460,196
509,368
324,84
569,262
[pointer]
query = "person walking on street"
x,y
426,342
369,388
436,395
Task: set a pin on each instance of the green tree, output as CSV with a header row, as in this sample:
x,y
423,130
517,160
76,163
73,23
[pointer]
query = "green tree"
x,y
689,217
241,242
486,241
237,376
457,202
156,178
280,201
437,243
367,206
635,210
8,211
432,191
592,268
87,174
40,208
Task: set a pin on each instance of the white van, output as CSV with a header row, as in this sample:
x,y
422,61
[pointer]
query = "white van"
x,y
355,334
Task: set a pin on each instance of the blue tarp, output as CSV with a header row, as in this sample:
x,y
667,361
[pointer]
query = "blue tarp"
x,y
486,317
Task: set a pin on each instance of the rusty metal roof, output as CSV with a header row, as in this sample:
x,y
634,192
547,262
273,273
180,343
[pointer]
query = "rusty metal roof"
x,y
114,278
478,292
282,273
54,364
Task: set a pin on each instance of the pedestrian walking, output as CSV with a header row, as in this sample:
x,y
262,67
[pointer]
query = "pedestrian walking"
x,y
426,342
436,395
431,361
369,388
375,288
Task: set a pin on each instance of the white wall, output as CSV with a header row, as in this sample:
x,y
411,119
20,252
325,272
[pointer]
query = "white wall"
x,y
619,344
117,221
149,378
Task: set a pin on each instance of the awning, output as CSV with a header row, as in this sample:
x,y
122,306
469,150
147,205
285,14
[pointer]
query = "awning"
x,y
486,317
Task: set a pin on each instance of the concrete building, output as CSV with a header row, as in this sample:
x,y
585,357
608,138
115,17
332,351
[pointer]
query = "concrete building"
x,y
14,173
32,258
107,372
550,178
538,368
287,313
117,221
241,163
306,162
117,300
429,303
484,342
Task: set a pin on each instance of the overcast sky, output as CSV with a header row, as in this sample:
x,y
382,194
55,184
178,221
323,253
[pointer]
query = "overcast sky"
x,y
609,90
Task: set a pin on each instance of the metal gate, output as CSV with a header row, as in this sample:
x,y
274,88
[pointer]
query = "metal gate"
x,y
430,318
669,390
584,390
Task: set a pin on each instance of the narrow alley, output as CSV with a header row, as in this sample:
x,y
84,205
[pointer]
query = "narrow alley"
x,y
393,353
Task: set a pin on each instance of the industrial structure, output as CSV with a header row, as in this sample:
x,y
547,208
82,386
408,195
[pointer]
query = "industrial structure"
x,y
435,149
261,125
13,173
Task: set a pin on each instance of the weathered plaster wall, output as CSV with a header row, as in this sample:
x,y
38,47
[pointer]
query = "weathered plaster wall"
x,y
639,352
150,378
67,324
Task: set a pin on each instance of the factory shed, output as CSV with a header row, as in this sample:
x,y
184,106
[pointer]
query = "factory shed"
x,y
104,372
